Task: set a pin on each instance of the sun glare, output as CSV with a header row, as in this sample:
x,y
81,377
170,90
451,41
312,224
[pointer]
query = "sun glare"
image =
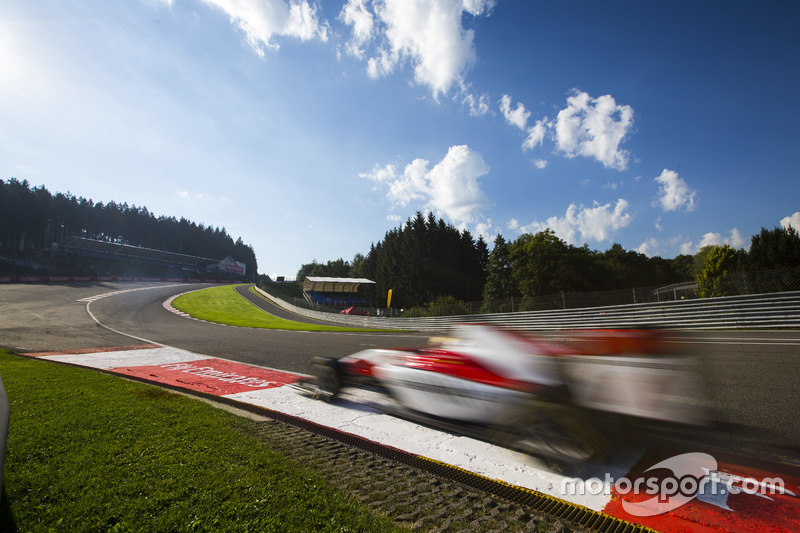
x,y
12,62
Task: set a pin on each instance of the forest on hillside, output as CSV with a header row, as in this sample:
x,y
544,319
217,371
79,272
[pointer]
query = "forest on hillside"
x,y
33,219
425,261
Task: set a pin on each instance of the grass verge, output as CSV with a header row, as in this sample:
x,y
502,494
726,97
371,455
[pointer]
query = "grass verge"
x,y
93,452
224,306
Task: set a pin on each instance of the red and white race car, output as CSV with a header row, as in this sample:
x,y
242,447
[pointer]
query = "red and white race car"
x,y
537,395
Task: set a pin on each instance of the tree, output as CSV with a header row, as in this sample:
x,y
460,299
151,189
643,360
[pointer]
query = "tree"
x,y
424,259
582,270
536,261
773,249
500,282
715,278
628,268
338,268
33,219
683,266
358,266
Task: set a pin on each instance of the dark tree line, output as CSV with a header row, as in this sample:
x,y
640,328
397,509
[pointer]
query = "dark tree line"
x,y
426,259
771,264
31,219
775,248
421,261
543,264
332,269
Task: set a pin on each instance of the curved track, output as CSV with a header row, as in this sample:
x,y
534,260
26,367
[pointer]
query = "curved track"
x,y
751,376
51,317
269,307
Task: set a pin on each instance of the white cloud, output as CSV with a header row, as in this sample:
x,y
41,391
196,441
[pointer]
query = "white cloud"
x,y
536,134
687,248
594,128
454,184
451,187
412,185
487,230
793,221
540,163
381,174
380,66
516,117
426,33
650,247
478,7
711,239
734,240
261,20
478,105
583,224
674,193
355,14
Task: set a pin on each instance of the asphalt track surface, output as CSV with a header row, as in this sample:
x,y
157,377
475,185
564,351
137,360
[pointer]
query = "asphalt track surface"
x,y
752,376
50,317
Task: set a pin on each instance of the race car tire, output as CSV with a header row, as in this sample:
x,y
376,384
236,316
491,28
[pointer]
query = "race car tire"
x,y
328,378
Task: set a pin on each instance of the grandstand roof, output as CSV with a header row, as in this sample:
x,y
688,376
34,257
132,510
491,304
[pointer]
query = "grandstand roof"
x,y
334,284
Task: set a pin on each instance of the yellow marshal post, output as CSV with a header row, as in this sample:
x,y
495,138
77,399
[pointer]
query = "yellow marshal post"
x,y
389,299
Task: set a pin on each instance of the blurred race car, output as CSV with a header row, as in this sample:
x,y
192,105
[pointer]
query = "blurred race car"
x,y
538,396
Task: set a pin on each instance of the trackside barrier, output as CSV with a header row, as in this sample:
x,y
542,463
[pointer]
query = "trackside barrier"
x,y
774,311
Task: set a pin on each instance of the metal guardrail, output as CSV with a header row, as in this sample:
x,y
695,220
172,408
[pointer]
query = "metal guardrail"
x,y
760,311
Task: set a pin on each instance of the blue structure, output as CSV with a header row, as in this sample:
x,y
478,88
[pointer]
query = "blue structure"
x,y
339,293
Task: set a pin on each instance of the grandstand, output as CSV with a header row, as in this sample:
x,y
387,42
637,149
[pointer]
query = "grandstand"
x,y
339,293
113,252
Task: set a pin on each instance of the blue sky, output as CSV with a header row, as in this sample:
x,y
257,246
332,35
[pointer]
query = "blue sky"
x,y
311,128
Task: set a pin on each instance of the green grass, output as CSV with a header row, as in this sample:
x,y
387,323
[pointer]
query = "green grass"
x,y
224,306
92,452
